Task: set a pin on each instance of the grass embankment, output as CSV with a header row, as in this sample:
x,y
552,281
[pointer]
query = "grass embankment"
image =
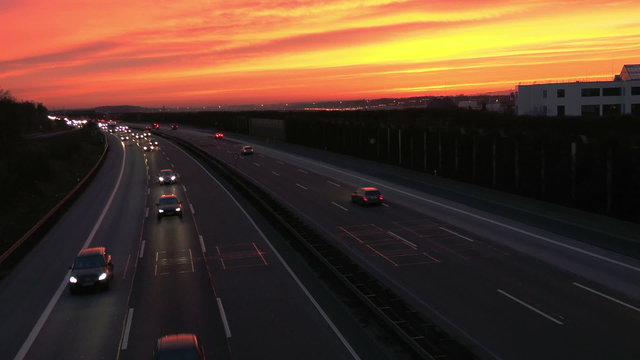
x,y
40,172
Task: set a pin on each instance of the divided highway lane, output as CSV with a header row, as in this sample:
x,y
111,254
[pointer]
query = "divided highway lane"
x,y
40,318
503,301
215,273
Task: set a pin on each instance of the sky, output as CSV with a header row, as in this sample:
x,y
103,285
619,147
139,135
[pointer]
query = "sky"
x,y
86,53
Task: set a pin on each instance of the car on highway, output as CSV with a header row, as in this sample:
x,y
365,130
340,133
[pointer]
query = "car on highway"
x,y
156,126
91,268
367,196
247,150
124,137
174,127
169,205
218,135
148,147
167,176
178,346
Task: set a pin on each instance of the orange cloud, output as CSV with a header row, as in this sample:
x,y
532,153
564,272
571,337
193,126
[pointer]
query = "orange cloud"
x,y
246,51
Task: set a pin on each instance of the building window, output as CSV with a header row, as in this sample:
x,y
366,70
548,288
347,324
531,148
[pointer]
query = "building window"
x,y
611,109
612,91
588,92
635,90
635,109
560,110
560,93
544,94
590,110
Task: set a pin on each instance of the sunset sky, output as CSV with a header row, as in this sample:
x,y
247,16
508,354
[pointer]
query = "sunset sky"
x,y
84,53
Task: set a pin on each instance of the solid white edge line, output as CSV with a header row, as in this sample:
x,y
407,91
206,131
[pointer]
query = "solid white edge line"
x,y
223,316
204,250
142,249
146,212
184,188
24,349
127,330
456,234
607,297
495,222
313,301
340,206
539,312
193,211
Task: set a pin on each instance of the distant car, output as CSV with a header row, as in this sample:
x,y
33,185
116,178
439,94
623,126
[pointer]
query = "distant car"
x,y
156,126
148,147
174,127
91,268
219,135
167,176
247,150
367,196
169,205
153,142
178,347
124,137
147,127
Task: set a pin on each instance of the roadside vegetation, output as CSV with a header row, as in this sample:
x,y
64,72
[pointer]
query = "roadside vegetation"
x,y
42,160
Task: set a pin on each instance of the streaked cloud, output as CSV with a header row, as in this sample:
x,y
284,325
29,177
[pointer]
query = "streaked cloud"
x,y
69,53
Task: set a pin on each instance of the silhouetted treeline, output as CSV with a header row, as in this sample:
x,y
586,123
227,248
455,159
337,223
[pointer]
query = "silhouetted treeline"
x,y
20,117
587,163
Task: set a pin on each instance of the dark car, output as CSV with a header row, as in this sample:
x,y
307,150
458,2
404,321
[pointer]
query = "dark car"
x,y
148,147
178,347
169,205
174,127
156,126
91,268
247,150
219,135
167,176
367,196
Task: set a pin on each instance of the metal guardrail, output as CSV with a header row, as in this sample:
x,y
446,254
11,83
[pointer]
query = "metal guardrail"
x,y
426,339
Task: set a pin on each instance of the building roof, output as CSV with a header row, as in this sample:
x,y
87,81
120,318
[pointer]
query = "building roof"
x,y
630,72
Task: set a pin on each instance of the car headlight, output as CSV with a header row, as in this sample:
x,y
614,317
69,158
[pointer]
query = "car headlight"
x,y
160,211
161,178
102,276
178,209
173,178
73,280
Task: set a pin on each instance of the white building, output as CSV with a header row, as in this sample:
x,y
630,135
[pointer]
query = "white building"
x,y
597,98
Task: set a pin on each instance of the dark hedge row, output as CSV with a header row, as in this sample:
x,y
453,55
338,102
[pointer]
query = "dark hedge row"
x,y
587,163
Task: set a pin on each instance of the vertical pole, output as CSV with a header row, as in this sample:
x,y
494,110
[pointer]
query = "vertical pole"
x,y
573,170
424,148
493,163
516,165
399,147
609,180
473,160
542,174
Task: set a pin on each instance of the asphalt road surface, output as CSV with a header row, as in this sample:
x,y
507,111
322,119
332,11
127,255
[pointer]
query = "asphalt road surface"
x,y
214,272
500,281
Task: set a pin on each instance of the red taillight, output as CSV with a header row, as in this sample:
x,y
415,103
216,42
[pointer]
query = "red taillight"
x,y
380,197
364,198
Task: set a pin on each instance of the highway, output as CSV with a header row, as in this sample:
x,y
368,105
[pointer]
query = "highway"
x,y
504,285
221,272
